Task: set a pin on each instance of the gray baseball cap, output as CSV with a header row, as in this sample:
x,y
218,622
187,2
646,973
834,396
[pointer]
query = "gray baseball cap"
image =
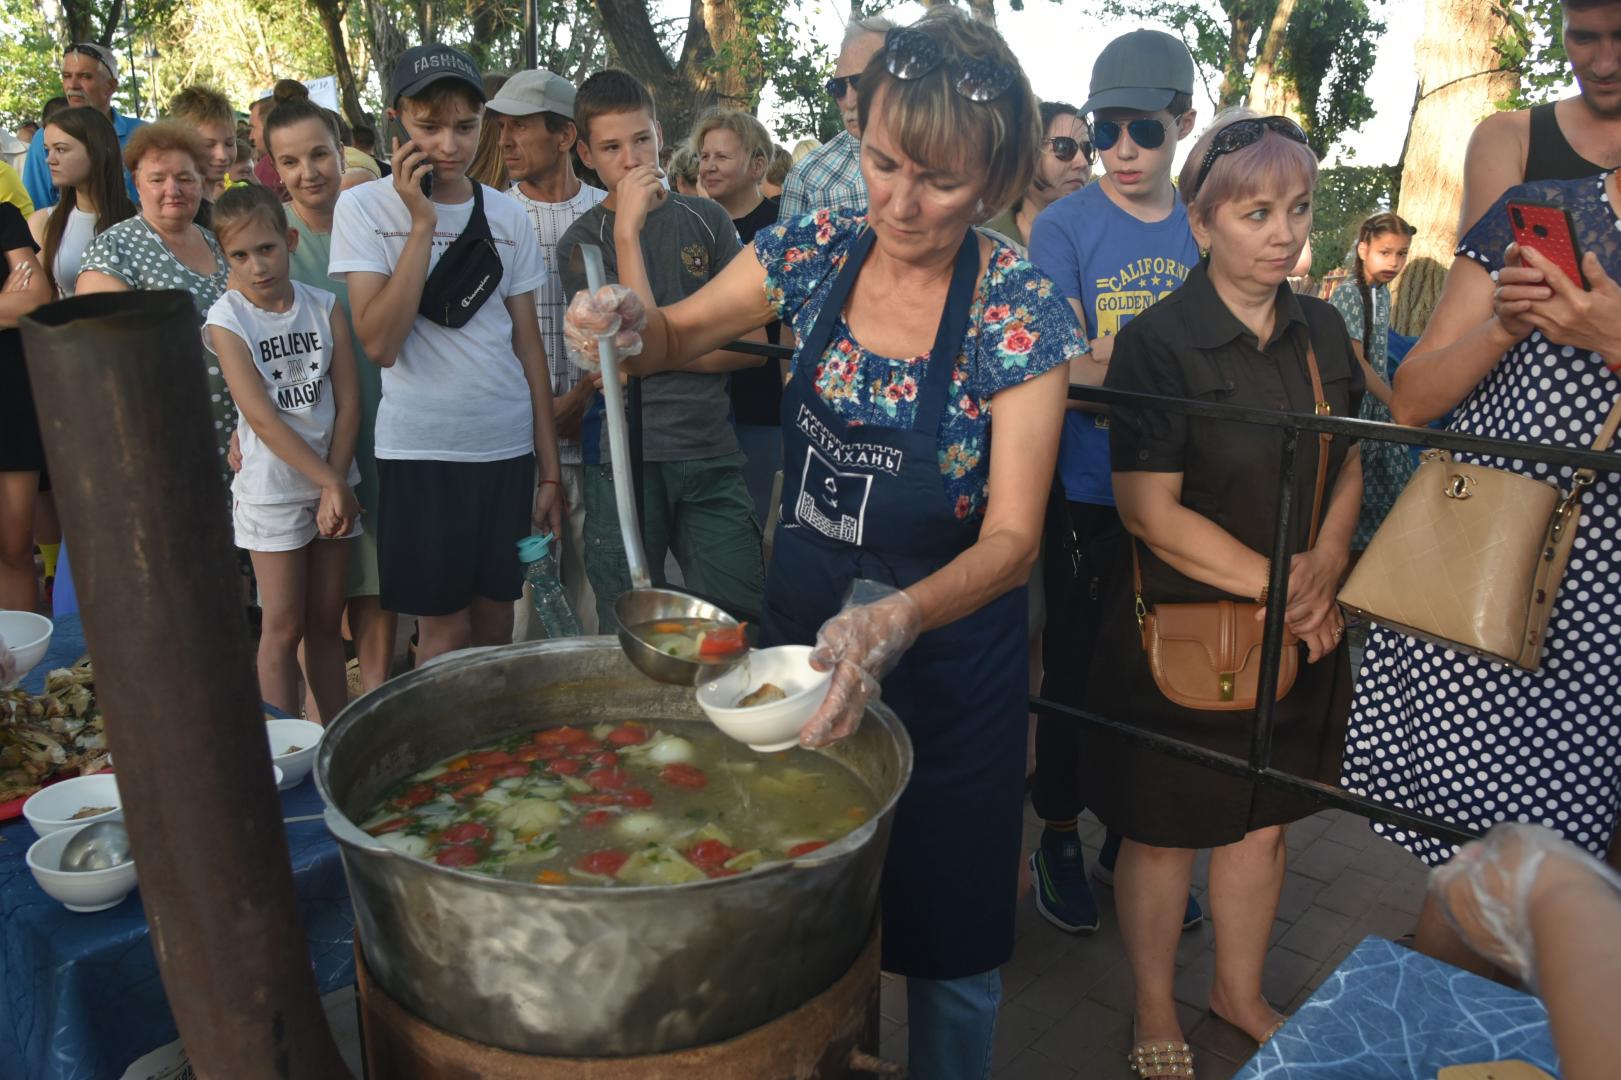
x,y
530,92
426,64
1141,71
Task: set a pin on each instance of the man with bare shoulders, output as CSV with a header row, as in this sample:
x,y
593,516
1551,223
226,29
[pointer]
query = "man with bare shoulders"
x,y
1562,140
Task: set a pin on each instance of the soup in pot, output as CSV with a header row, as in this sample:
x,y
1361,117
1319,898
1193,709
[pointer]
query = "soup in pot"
x,y
655,803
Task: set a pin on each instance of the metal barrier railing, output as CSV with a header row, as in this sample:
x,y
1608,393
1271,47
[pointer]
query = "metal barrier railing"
x,y
1258,766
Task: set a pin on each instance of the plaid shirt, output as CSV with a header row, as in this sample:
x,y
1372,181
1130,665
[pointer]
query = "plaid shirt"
x,y
827,178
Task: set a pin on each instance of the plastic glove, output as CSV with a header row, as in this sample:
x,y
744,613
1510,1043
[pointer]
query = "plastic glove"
x,y
1487,890
614,310
860,645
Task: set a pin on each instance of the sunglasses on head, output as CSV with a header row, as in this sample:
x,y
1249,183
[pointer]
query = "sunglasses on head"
x,y
1145,131
1242,133
1065,148
837,85
91,51
911,54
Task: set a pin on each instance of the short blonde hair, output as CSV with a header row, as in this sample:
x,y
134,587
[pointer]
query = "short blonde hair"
x,y
1272,163
938,127
751,134
201,105
684,164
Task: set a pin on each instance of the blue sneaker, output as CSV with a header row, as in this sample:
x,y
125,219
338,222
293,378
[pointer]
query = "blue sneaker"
x,y
1059,874
1103,870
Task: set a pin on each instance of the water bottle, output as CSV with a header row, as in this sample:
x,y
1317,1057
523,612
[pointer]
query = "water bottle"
x,y
546,591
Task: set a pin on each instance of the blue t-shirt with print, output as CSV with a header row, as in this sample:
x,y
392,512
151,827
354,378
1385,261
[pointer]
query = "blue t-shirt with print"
x,y
1117,266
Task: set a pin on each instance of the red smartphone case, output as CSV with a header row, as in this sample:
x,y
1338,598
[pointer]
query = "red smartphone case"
x,y
1547,228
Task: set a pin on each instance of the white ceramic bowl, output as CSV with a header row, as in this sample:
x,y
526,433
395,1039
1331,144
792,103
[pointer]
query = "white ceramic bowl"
x,y
295,765
81,890
52,808
280,776
775,725
27,635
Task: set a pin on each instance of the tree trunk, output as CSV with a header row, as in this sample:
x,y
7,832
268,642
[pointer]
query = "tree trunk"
x,y
388,44
682,90
983,11
1269,94
1460,81
1234,80
331,15
734,72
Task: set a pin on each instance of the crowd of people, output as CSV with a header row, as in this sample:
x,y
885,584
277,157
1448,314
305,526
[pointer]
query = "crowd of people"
x,y
400,352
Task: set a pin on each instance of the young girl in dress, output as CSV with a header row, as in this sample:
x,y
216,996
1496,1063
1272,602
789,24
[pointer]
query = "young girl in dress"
x,y
1363,301
291,371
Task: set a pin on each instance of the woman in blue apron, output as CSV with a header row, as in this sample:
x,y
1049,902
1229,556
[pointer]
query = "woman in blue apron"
x,y
887,468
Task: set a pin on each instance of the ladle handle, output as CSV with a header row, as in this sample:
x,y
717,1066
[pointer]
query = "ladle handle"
x,y
630,528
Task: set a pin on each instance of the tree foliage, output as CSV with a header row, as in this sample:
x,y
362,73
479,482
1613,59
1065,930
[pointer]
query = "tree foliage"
x,y
1534,48
1345,196
1326,59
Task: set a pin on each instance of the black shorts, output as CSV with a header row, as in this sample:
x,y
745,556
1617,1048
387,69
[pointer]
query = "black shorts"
x,y
20,446
447,531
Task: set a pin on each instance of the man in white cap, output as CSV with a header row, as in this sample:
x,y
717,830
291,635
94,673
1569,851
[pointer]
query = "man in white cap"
x,y
535,110
89,77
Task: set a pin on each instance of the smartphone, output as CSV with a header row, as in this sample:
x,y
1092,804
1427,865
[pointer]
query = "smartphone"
x,y
1547,228
397,131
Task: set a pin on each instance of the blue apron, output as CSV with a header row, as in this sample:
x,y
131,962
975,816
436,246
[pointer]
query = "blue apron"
x,y
862,501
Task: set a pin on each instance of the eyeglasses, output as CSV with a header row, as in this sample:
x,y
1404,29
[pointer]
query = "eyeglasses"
x,y
1145,131
837,85
911,54
1242,133
94,52
1065,148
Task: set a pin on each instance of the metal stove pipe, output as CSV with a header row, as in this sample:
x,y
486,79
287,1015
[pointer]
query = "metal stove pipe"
x,y
123,402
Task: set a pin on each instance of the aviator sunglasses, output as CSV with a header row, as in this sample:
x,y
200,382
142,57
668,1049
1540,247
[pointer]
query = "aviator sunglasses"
x,y
837,85
1242,133
1065,148
911,54
1145,131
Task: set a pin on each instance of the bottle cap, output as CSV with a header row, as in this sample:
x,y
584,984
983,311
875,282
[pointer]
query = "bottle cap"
x,y
534,548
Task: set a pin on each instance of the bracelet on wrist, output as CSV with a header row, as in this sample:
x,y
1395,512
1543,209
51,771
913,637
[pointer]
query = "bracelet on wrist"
x,y
1266,582
543,483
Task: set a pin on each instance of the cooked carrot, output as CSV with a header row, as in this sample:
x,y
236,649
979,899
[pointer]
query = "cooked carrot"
x,y
550,877
458,765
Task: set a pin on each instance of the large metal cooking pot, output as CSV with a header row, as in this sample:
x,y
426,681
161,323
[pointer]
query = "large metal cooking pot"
x,y
572,970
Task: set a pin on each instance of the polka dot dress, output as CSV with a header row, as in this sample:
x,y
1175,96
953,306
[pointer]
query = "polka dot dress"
x,y
134,254
1474,742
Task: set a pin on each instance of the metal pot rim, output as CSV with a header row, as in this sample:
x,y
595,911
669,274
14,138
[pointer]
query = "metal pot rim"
x,y
349,834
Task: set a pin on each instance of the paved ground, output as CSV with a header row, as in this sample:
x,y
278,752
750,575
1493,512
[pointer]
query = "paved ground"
x,y
1066,1011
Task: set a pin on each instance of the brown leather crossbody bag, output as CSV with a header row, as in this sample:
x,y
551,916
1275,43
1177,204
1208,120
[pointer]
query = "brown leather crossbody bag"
x,y
1207,656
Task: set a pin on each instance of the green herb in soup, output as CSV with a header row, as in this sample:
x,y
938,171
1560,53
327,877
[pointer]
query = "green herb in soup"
x,y
660,803
702,640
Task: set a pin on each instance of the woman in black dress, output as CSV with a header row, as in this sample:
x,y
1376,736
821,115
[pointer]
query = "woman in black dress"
x,y
23,287
1198,498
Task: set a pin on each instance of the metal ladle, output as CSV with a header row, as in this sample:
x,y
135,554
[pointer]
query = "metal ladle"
x,y
101,846
642,603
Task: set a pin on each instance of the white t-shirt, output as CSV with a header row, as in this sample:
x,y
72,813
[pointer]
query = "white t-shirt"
x,y
451,395
550,220
292,351
80,230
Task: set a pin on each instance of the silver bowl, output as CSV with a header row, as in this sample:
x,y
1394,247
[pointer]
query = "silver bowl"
x,y
640,606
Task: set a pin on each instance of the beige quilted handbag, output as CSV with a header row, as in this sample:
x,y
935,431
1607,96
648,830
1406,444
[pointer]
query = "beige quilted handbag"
x,y
1471,557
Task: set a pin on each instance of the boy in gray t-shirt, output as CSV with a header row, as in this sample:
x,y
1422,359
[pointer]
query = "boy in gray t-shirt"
x,y
696,502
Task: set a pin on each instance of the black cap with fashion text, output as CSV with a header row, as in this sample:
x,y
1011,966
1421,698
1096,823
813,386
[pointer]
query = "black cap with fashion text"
x,y
426,64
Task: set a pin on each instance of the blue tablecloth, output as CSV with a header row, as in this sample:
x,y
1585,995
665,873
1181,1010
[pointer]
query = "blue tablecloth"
x,y
80,997
1389,1013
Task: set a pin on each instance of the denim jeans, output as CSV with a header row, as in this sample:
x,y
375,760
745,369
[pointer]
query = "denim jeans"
x,y
951,1025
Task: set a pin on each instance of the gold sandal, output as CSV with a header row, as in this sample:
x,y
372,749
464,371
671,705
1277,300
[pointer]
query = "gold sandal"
x,y
1161,1059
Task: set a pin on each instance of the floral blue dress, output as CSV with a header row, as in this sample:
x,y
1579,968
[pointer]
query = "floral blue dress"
x,y
1019,327
1386,466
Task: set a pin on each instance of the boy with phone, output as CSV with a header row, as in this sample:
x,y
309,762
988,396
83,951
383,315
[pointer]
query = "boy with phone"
x,y
665,246
1114,248
442,288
